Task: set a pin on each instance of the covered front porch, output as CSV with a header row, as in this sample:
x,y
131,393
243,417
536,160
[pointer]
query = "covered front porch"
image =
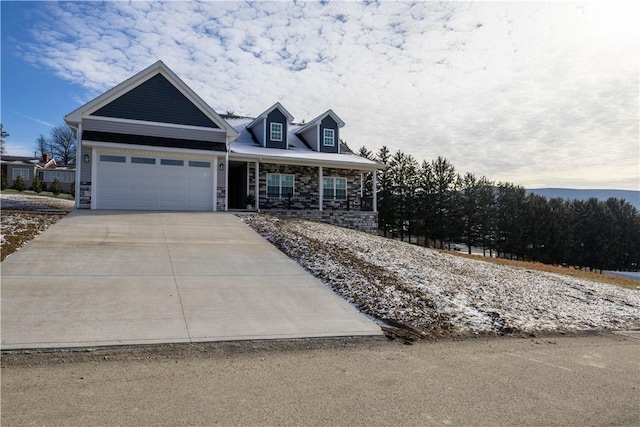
x,y
330,193
300,187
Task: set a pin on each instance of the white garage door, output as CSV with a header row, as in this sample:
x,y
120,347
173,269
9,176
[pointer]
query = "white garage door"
x,y
154,182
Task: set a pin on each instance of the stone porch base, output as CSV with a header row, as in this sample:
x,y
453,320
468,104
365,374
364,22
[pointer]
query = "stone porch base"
x,y
356,220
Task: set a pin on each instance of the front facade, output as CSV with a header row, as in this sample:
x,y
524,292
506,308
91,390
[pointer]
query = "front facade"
x,y
151,143
44,168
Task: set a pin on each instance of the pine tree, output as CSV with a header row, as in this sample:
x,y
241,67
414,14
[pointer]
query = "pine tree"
x,y
18,184
55,187
37,184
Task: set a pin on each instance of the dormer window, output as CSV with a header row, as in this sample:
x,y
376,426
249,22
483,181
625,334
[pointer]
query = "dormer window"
x,y
328,139
276,132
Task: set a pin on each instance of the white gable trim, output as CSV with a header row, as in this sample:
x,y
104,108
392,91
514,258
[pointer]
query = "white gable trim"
x,y
264,115
318,120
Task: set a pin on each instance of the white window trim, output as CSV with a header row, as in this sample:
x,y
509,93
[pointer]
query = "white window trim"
x,y
335,187
61,176
272,130
22,171
325,137
280,175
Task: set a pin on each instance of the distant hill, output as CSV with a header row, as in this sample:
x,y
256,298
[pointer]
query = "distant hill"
x,y
633,197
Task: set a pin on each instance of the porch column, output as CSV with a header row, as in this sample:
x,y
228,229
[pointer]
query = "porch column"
x,y
215,184
79,164
248,178
320,187
257,186
375,191
226,182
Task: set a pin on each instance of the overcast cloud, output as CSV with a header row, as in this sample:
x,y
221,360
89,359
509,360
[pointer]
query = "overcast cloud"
x,y
540,94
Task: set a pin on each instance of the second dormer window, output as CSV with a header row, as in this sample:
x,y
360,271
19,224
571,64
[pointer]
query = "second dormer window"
x,y
276,131
328,138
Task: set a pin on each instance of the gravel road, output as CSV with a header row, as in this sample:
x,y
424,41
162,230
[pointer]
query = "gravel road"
x,y
546,380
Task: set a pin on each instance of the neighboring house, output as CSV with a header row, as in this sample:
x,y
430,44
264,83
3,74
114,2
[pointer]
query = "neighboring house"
x,y
46,169
65,174
151,143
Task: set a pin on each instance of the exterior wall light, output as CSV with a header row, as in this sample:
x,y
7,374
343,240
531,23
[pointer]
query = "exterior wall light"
x,y
221,167
86,158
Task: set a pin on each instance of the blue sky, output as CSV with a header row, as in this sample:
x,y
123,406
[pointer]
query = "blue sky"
x,y
538,94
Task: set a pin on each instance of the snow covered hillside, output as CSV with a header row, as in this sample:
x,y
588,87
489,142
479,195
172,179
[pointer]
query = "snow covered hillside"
x,y
433,293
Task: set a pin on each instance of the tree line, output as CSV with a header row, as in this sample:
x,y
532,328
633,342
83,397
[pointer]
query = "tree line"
x,y
431,204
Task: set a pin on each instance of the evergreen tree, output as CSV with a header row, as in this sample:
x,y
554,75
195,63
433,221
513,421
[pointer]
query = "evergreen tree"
x,y
444,186
509,220
18,184
425,184
470,209
37,184
402,169
55,187
385,192
367,178
486,205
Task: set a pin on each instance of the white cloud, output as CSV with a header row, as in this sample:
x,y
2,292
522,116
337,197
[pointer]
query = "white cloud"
x,y
539,94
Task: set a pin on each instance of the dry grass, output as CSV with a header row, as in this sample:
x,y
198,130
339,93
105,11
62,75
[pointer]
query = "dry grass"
x,y
567,271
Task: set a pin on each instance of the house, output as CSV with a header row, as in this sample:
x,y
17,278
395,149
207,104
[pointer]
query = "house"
x,y
151,143
45,168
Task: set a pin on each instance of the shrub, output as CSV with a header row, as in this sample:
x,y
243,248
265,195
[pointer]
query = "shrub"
x,y
5,185
55,187
73,190
37,185
18,184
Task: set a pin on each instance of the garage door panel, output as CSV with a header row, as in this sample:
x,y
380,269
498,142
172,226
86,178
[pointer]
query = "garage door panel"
x,y
152,185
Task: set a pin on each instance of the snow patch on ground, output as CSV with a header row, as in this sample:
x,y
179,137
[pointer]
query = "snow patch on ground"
x,y
25,202
437,293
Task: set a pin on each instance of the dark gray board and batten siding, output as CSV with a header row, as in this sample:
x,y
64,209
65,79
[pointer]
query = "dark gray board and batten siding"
x,y
276,116
156,100
329,123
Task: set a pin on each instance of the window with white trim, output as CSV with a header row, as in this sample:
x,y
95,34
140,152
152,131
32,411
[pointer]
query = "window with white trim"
x,y
61,176
334,188
328,139
279,185
23,172
276,131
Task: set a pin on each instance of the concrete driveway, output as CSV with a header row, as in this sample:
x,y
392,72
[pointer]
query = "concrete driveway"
x,y
112,278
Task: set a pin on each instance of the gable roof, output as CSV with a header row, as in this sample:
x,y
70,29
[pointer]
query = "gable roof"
x,y
298,152
129,86
316,122
266,113
28,161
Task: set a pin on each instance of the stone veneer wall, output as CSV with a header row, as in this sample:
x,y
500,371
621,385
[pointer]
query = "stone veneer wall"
x,y
220,203
356,220
305,191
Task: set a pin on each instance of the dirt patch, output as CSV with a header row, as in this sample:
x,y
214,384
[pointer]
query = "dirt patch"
x,y
25,216
20,227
